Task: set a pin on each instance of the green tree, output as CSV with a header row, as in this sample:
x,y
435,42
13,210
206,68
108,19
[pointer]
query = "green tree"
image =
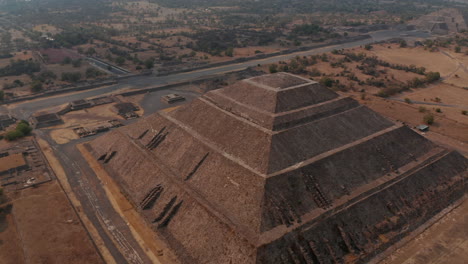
x,y
403,44
432,77
457,49
327,81
229,52
36,86
428,119
71,76
149,63
92,72
77,63
120,60
24,128
67,60
13,135
273,68
90,51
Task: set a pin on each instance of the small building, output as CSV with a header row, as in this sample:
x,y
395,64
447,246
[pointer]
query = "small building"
x,y
93,130
80,104
172,98
423,128
6,121
102,100
12,162
126,110
46,120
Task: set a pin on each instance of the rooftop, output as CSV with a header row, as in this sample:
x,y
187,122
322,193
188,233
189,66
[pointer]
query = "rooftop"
x,y
47,117
5,117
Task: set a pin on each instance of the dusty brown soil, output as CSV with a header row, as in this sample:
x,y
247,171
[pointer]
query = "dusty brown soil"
x,y
63,136
46,228
62,178
10,244
444,242
432,61
409,114
46,28
16,56
89,116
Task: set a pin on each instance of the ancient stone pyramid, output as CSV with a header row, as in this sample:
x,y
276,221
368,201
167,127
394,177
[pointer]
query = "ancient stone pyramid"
x,y
278,169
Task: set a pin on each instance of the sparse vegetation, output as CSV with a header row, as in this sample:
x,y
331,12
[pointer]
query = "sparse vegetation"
x,y
22,129
273,68
403,44
71,77
36,86
19,67
432,77
428,119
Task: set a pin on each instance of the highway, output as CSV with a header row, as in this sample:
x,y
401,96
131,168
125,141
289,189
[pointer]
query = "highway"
x,y
25,109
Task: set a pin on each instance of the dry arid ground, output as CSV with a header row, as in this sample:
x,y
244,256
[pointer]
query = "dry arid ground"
x,y
432,61
446,241
64,133
409,114
42,227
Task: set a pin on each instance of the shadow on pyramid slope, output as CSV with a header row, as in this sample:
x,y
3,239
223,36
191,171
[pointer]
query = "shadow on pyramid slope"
x,y
278,169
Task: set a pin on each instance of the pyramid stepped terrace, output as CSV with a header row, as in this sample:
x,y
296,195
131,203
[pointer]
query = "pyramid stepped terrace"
x,y
279,169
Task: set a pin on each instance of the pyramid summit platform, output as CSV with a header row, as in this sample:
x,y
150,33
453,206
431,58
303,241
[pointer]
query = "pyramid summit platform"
x,y
279,169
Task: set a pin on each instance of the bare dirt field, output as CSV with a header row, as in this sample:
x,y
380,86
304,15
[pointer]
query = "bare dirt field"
x,y
63,136
58,55
441,95
444,242
43,228
417,56
46,28
89,116
10,244
410,115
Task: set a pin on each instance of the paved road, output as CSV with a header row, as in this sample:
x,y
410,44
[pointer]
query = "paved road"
x,y
429,103
25,109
